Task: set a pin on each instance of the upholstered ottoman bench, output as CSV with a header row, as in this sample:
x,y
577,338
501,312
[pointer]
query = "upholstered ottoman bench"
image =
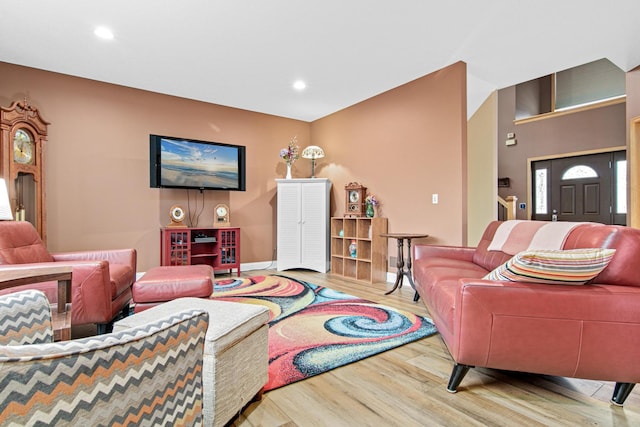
x,y
162,284
235,360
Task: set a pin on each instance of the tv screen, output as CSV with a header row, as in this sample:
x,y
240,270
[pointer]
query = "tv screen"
x,y
188,163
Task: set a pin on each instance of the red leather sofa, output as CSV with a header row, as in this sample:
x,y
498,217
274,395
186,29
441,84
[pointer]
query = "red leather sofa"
x,y
101,280
589,331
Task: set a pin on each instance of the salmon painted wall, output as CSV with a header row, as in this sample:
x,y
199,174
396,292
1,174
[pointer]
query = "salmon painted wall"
x,y
404,145
97,163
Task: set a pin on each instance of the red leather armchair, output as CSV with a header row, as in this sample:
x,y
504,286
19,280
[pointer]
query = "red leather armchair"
x,y
101,280
586,331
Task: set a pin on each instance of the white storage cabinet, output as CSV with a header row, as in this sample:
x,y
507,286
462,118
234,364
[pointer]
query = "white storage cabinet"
x,y
303,224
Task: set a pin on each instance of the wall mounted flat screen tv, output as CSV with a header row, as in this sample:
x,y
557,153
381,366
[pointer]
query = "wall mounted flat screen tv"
x,y
192,164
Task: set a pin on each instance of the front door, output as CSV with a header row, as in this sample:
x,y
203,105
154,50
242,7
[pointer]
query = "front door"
x,y
582,188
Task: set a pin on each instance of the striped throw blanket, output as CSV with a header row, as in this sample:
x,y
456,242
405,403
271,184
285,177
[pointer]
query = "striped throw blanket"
x,y
515,236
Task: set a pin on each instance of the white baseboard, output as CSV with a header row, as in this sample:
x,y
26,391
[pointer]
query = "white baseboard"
x,y
261,265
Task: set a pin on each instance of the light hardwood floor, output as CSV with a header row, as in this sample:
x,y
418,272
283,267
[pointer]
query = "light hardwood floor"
x,y
407,387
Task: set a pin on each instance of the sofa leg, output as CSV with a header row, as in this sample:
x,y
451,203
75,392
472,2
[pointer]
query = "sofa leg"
x,y
104,328
621,392
458,373
125,312
258,396
416,297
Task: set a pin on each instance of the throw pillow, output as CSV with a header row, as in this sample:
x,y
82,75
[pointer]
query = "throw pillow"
x,y
564,267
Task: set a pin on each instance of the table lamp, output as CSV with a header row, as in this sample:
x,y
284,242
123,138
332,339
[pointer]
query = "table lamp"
x,y
5,206
313,152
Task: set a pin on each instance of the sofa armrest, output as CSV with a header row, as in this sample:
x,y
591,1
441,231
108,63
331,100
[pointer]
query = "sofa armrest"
x,y
91,291
25,318
560,330
462,253
152,372
116,256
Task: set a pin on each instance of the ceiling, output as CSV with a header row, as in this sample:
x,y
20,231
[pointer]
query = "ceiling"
x,y
248,53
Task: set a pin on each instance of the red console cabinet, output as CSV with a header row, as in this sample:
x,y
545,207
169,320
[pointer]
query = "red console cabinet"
x,y
217,247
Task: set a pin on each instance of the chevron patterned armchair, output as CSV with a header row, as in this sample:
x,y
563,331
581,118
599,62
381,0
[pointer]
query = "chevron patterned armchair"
x,y
146,375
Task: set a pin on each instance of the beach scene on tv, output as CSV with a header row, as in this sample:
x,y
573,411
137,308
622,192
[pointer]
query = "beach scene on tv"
x,y
192,164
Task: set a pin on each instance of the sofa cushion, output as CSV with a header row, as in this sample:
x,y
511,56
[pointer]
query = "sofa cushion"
x,y
166,283
430,272
623,268
566,267
20,243
485,258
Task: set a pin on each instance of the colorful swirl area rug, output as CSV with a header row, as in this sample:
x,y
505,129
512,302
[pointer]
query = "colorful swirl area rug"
x,y
314,329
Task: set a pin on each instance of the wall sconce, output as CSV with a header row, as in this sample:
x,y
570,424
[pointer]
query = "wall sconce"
x,y
313,152
5,205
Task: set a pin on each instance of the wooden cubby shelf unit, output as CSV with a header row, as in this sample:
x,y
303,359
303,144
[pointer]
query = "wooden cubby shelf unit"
x,y
369,264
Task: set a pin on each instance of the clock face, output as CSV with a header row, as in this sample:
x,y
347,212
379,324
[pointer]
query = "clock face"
x,y
354,197
23,147
221,216
177,213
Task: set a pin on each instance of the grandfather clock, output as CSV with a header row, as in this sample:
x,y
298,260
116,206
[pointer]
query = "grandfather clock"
x,y
22,136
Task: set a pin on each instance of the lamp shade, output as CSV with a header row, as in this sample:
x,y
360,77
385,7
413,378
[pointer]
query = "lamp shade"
x,y
5,206
312,152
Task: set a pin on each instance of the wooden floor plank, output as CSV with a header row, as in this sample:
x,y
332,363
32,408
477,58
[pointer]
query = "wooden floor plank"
x,y
406,386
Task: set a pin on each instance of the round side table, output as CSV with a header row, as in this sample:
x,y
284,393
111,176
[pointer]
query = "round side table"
x,y
402,271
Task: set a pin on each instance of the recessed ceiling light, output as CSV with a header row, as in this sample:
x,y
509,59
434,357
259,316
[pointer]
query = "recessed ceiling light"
x,y
299,85
103,33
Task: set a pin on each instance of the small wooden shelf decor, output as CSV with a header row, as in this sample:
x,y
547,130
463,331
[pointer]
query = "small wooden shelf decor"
x,y
369,264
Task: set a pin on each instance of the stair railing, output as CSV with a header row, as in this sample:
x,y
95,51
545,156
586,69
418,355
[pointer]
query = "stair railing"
x,y
507,208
